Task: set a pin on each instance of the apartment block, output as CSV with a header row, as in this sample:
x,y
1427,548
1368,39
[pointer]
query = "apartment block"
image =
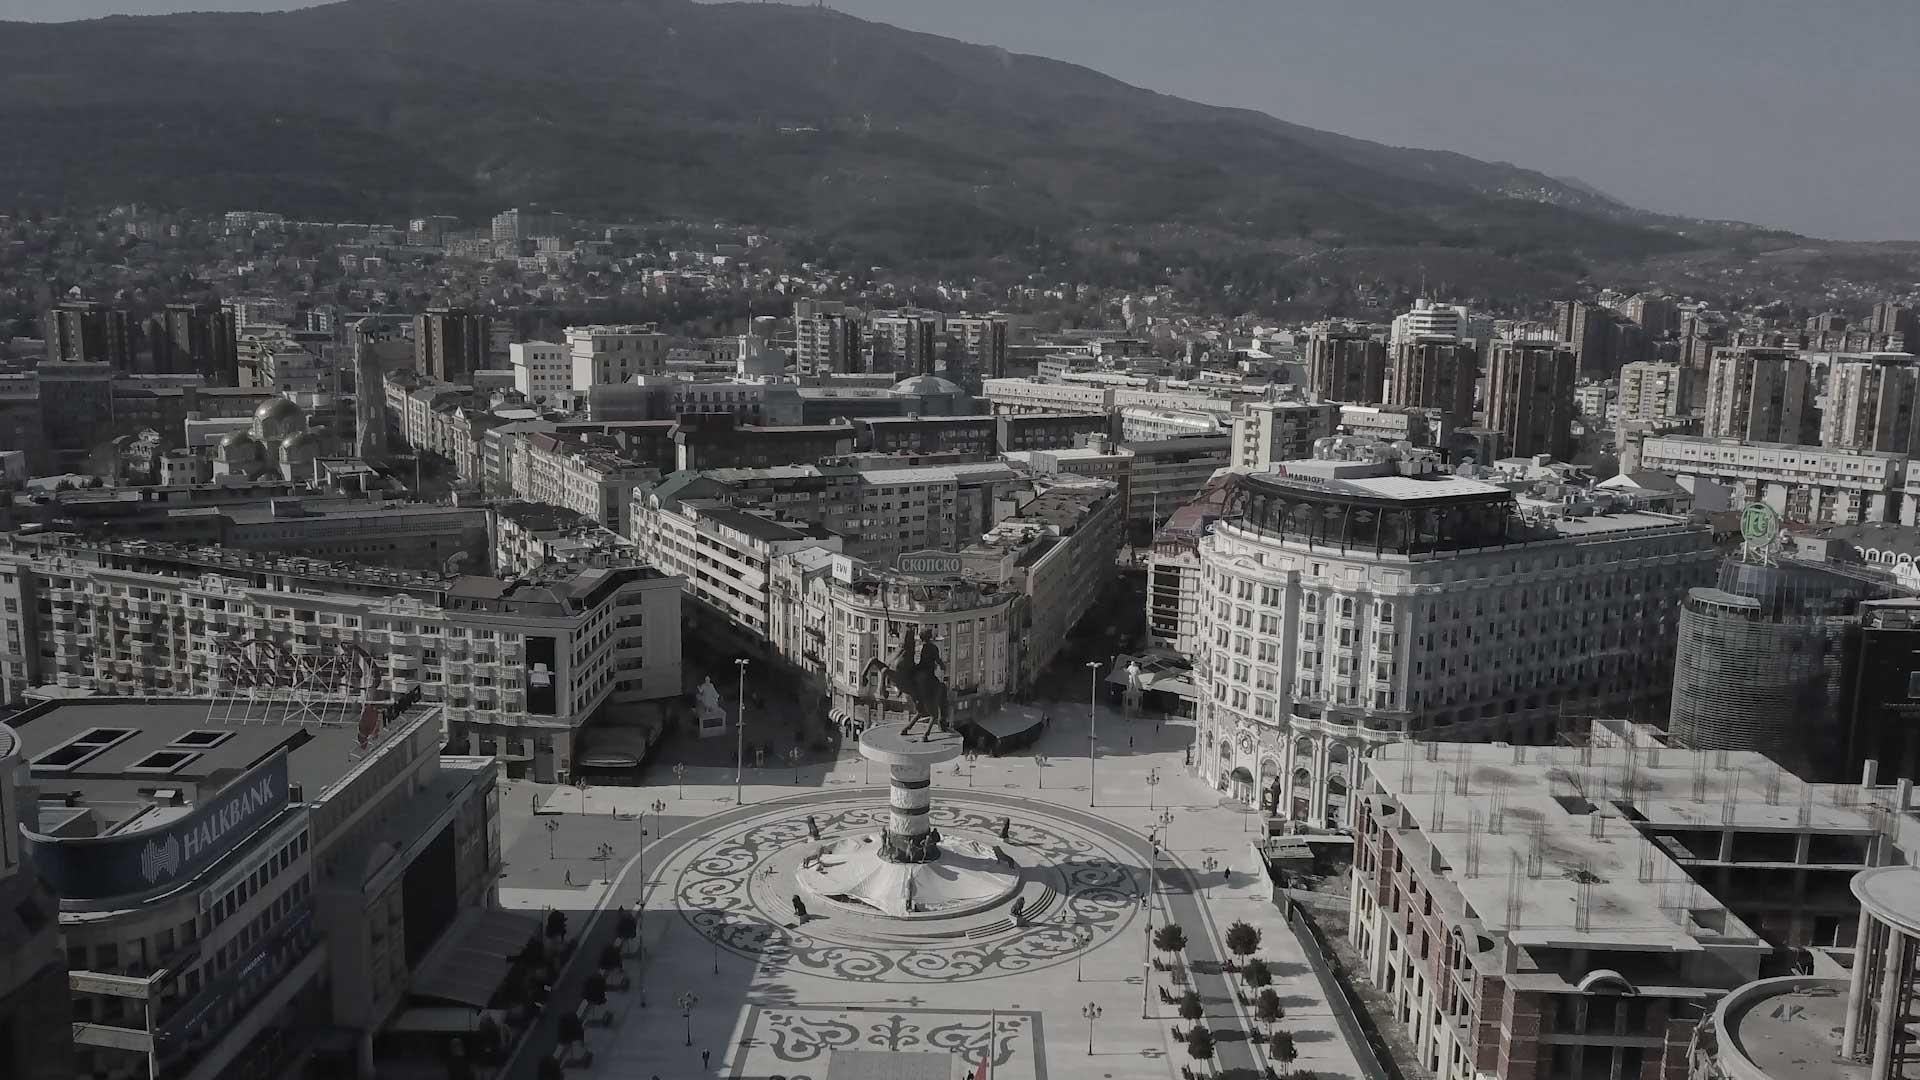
x,y
1346,362
1654,391
1761,395
1872,403
520,665
1804,483
827,337
541,369
1434,373
614,354
1530,397
1272,431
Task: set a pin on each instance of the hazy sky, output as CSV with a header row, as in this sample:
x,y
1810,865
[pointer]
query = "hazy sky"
x,y
1783,112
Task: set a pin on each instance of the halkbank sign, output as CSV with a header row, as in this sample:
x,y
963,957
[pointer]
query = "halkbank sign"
x,y
155,859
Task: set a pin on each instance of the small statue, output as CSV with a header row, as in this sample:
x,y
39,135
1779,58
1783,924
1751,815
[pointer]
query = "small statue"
x,y
813,828
1006,826
799,910
1020,911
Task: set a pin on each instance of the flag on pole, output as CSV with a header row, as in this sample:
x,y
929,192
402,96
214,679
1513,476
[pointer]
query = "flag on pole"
x,y
986,1058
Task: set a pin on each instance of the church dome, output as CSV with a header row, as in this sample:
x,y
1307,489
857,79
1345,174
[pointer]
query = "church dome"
x,y
240,446
300,446
276,419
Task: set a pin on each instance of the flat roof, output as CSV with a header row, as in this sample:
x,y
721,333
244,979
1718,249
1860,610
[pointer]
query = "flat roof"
x,y
1789,1028
752,524
1892,895
1576,814
241,736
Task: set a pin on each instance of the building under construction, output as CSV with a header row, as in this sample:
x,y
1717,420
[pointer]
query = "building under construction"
x,y
1537,912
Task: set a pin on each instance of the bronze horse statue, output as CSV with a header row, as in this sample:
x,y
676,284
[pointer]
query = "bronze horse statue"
x,y
917,676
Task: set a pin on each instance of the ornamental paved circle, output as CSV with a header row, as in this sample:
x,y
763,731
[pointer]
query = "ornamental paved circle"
x,y
723,888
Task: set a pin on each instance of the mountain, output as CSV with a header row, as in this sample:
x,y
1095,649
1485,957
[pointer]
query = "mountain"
x,y
906,144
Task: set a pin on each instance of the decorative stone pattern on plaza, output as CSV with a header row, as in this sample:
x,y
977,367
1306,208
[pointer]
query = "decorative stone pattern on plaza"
x,y
737,891
804,1038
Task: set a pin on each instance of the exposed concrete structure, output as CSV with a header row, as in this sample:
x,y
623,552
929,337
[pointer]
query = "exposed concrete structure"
x,y
1540,913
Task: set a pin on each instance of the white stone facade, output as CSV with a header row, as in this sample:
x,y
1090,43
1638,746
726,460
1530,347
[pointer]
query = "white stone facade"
x,y
1311,656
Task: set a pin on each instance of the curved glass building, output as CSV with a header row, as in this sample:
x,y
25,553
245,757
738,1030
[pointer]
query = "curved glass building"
x,y
1763,659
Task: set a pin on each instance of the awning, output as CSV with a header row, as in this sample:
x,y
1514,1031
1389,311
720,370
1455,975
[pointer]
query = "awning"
x,y
1241,774
470,962
440,1020
1010,721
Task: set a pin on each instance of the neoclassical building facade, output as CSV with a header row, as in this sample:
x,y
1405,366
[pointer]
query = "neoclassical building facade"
x,y
1345,605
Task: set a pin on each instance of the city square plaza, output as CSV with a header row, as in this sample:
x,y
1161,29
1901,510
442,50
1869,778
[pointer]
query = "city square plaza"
x,y
1009,922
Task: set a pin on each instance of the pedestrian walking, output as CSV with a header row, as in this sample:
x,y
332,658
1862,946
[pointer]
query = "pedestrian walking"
x,y
706,1058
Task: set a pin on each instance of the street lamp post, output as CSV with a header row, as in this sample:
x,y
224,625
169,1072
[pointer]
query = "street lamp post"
x,y
973,759
1209,865
793,757
1153,781
1082,935
1092,1013
1093,743
740,735
1153,888
687,1000
1040,765
680,777
552,827
605,856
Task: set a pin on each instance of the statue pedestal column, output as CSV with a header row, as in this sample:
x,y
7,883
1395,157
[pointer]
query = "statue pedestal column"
x,y
905,871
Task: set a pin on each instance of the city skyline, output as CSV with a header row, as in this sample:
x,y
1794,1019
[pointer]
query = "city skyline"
x,y
1723,146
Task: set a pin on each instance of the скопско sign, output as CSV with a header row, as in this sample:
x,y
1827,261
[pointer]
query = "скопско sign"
x,y
153,859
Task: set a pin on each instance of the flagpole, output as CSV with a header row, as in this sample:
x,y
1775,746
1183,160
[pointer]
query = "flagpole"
x,y
986,1063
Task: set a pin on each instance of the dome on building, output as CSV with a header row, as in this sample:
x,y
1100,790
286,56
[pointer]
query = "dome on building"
x,y
300,446
277,418
240,446
926,386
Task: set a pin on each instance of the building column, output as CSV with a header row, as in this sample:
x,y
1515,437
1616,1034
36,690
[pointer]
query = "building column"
x,y
1287,766
1891,984
1317,812
1857,985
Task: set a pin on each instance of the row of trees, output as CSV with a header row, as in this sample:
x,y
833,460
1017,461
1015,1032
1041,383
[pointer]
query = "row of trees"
x,y
1243,941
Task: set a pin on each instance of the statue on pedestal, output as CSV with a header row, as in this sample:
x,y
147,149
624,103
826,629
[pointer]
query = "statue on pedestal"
x,y
916,675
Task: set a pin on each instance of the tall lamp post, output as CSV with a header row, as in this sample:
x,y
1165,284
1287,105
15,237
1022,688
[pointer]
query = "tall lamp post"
x,y
552,827
687,1000
1092,1013
1153,887
1040,766
1153,781
740,735
1209,865
1093,742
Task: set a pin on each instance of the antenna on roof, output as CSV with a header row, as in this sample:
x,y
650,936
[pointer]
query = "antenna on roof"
x,y
1583,898
1513,890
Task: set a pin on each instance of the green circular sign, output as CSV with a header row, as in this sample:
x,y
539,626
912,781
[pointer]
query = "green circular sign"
x,y
1759,524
